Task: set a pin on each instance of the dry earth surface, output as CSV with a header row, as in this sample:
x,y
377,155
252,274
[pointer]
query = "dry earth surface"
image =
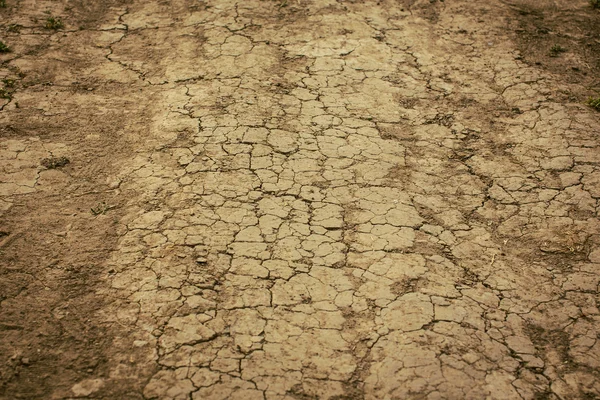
x,y
299,199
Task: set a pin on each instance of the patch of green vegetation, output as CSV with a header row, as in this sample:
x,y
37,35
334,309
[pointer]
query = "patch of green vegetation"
x,y
594,103
9,83
2,3
4,48
556,50
595,3
14,28
54,23
4,94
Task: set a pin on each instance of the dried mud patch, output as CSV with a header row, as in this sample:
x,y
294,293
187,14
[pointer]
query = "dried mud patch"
x,y
272,200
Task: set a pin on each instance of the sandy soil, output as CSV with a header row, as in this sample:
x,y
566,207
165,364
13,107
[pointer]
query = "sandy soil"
x,y
299,199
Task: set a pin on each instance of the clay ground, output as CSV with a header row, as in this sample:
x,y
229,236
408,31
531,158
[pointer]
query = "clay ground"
x,y
299,199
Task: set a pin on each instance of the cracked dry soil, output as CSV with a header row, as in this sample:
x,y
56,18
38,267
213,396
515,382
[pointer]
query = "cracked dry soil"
x,y
307,199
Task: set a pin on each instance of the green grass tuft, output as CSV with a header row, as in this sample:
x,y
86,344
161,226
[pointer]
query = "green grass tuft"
x,y
54,23
4,48
556,50
594,103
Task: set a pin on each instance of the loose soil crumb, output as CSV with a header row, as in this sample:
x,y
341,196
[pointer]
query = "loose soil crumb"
x,y
55,162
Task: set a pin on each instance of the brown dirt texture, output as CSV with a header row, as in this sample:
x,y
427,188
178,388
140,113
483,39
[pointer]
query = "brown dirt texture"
x,y
299,199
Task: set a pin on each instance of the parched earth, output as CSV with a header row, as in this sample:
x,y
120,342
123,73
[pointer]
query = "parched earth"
x,y
299,199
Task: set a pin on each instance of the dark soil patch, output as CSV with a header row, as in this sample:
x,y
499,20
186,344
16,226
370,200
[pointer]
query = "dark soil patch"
x,y
55,162
561,37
